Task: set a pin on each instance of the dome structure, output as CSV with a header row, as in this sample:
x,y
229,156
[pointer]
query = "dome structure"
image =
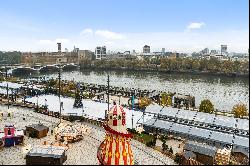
x,y
116,148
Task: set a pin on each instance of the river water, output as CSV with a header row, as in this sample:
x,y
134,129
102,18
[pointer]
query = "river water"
x,y
224,92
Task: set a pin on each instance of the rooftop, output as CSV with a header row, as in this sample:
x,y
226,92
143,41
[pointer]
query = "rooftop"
x,y
200,148
47,151
38,127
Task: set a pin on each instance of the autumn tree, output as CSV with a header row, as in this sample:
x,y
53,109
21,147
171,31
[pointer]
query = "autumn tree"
x,y
144,102
240,110
164,99
206,106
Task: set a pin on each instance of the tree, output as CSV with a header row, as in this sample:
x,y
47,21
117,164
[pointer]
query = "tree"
x,y
144,102
153,141
164,145
177,158
171,150
164,138
10,57
169,100
164,99
240,110
206,106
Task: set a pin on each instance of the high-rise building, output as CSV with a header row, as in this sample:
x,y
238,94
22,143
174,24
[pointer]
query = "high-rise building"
x,y
214,52
205,51
223,50
163,51
59,47
146,49
100,52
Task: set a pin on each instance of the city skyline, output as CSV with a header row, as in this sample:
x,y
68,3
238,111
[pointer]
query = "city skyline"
x,y
182,26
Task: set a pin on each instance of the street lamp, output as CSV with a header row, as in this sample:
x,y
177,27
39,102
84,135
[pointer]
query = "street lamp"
x,y
119,95
59,78
37,101
45,103
6,76
132,120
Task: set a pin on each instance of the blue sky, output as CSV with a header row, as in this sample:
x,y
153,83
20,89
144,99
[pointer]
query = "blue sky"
x,y
177,25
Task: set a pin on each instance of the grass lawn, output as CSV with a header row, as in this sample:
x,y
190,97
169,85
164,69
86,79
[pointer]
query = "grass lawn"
x,y
146,137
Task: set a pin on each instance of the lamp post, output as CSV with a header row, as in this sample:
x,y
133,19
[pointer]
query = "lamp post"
x,y
6,77
133,100
45,103
81,100
132,120
108,98
59,94
36,99
119,95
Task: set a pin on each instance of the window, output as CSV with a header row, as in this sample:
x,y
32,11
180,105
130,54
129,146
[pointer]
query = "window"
x,y
9,132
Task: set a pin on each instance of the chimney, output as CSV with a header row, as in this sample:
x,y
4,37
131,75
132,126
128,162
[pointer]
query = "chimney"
x,y
59,46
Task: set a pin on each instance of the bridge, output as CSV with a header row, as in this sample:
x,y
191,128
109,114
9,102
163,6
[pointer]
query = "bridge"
x,y
18,69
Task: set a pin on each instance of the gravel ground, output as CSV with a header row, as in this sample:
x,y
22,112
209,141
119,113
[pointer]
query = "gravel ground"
x,y
82,152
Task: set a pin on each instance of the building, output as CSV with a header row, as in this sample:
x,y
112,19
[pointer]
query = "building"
x,y
117,139
222,157
46,155
11,136
126,53
163,51
202,153
157,53
61,60
36,131
100,52
214,130
84,54
214,52
146,49
223,50
59,47
50,58
189,158
205,51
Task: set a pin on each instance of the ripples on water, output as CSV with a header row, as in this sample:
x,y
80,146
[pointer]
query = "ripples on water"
x,y
224,92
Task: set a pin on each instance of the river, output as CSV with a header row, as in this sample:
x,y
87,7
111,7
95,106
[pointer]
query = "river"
x,y
224,92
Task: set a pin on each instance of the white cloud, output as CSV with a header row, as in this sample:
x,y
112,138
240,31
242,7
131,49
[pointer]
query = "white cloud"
x,y
109,35
195,25
237,41
62,40
51,45
49,42
87,31
44,42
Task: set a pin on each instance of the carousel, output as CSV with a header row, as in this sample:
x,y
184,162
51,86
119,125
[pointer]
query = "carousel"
x,y
116,148
70,133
